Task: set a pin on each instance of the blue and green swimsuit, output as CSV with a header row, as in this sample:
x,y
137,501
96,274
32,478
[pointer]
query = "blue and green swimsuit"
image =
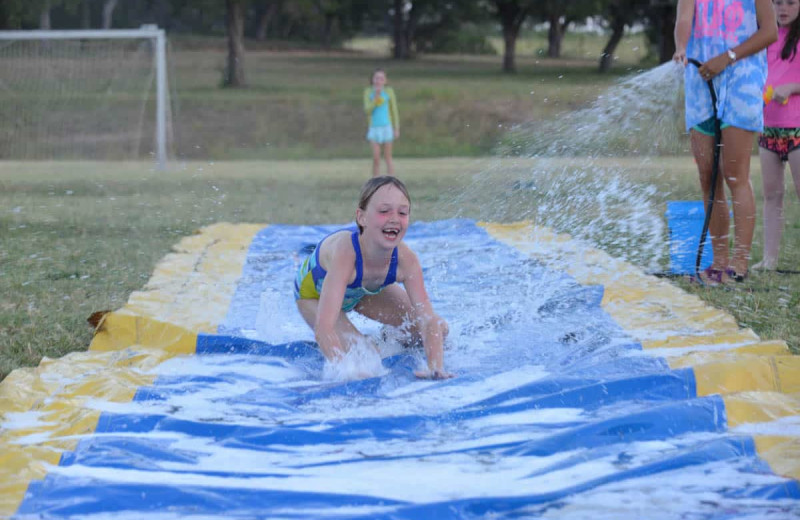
x,y
310,275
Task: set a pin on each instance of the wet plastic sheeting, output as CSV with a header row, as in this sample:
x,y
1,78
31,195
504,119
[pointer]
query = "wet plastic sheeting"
x,y
557,411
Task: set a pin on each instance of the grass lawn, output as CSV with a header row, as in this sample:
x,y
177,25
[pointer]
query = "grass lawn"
x,y
76,237
79,237
301,104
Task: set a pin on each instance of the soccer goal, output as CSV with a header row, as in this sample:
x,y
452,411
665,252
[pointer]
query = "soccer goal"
x,y
83,94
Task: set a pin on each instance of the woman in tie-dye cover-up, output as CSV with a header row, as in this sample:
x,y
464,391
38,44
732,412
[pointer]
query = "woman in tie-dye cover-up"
x,y
728,38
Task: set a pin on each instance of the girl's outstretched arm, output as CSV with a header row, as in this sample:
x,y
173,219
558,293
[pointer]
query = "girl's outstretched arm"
x,y
431,326
339,269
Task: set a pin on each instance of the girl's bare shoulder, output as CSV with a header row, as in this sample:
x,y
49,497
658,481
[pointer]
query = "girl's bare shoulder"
x,y
407,262
337,247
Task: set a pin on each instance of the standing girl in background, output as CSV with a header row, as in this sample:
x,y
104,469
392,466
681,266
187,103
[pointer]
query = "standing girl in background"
x,y
728,37
380,104
780,141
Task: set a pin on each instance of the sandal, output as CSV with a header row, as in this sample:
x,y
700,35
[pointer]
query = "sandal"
x,y
710,276
737,277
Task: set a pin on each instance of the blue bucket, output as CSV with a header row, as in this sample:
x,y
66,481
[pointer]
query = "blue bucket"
x,y
685,221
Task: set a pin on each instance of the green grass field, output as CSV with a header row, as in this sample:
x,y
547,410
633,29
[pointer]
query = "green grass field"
x,y
306,105
302,104
79,237
76,237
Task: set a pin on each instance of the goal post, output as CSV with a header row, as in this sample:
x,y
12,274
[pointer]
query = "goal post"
x,y
39,77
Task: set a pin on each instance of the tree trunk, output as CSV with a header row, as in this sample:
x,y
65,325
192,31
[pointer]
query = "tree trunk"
x,y
44,16
510,34
617,32
108,13
86,15
267,15
555,35
234,75
411,29
5,19
327,31
401,48
511,16
666,43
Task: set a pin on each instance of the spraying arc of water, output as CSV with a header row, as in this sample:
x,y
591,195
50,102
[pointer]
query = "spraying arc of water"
x,y
577,173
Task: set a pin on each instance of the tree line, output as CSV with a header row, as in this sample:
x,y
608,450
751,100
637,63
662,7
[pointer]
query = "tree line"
x,y
415,26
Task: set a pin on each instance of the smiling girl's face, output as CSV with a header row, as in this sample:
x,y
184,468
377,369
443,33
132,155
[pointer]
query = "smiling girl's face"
x,y
786,11
385,219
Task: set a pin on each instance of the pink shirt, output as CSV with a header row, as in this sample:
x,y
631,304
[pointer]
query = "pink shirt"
x,y
780,72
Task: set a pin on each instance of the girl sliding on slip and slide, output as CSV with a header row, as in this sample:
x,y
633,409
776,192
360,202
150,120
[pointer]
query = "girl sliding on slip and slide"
x,y
360,271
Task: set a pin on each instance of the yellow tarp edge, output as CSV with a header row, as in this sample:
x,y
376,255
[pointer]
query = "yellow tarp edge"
x,y
759,381
193,286
157,323
57,407
781,453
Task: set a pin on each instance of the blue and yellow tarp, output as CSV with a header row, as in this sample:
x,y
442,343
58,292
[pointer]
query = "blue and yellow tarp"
x,y
585,388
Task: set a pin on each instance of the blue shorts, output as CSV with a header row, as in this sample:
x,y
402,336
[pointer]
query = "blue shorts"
x,y
380,134
707,126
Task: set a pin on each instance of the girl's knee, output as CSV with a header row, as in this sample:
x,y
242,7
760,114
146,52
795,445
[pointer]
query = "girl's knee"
x,y
774,196
735,182
443,327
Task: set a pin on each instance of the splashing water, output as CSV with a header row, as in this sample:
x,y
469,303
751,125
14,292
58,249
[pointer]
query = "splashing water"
x,y
581,173
361,361
639,116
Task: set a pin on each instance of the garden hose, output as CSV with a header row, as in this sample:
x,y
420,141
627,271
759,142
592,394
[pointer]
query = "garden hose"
x,y
714,173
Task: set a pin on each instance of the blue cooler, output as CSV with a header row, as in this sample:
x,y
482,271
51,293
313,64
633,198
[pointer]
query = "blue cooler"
x,y
685,221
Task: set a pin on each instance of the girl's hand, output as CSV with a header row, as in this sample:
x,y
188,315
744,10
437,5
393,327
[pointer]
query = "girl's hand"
x,y
433,374
781,93
396,134
714,66
680,57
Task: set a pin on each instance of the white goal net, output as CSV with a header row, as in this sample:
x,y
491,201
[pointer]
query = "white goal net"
x,y
97,95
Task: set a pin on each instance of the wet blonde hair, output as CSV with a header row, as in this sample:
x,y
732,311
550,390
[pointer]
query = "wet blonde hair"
x,y
374,184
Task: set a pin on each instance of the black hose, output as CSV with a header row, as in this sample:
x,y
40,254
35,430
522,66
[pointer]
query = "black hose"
x,y
714,172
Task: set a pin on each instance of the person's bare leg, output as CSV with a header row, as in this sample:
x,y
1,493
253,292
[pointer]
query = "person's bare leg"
x,y
772,181
347,332
387,156
718,228
392,307
376,158
737,145
794,167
